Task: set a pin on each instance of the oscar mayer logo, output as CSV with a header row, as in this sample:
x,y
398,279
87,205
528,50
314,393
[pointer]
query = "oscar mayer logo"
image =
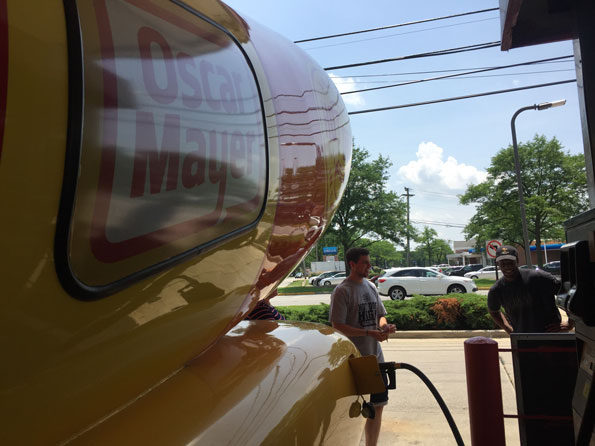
x,y
3,68
183,152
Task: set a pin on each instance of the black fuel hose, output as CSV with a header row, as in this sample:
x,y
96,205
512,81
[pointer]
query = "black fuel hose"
x,y
424,378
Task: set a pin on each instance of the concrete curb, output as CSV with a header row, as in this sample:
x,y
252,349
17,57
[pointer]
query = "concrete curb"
x,y
425,334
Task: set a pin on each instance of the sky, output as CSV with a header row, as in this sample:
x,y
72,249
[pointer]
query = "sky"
x,y
436,150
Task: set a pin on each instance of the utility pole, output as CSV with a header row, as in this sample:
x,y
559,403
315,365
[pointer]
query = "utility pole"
x,y
407,194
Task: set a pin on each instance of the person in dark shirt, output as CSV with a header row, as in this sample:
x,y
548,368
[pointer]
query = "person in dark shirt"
x,y
527,297
264,310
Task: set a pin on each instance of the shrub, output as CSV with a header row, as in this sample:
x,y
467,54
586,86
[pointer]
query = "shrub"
x,y
475,313
463,312
313,313
447,312
409,318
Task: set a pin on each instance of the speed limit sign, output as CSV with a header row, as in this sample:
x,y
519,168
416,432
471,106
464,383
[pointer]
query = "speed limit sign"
x,y
492,246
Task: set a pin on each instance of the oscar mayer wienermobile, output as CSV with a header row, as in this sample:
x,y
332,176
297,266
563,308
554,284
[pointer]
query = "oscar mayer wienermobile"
x,y
163,166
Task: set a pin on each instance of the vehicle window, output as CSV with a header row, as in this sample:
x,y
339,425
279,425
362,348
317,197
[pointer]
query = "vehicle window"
x,y
405,273
430,274
172,155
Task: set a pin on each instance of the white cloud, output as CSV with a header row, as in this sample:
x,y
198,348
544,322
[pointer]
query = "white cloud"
x,y
344,84
431,171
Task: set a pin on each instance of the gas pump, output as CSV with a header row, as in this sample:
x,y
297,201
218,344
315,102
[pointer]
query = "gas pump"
x,y
577,297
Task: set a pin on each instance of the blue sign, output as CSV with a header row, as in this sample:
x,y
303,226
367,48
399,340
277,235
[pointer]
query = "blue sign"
x,y
330,251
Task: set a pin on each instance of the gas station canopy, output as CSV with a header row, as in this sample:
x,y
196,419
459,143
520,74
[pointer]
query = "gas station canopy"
x,y
531,22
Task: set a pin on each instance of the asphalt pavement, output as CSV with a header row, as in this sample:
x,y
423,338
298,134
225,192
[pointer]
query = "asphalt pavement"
x,y
413,417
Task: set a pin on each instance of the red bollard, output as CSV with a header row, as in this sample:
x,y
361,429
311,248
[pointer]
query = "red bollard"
x,y
484,392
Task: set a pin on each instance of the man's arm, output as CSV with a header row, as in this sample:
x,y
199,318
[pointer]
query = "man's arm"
x,y
348,330
501,321
562,326
385,326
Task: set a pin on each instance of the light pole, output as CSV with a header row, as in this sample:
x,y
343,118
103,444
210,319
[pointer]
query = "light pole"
x,y
517,168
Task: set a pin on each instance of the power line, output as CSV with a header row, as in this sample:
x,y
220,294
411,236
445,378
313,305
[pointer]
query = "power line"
x,y
457,98
397,26
461,77
437,193
397,34
461,49
447,76
408,73
436,223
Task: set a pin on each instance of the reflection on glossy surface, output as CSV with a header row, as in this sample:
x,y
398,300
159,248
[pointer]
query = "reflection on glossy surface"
x,y
263,383
69,364
173,150
311,126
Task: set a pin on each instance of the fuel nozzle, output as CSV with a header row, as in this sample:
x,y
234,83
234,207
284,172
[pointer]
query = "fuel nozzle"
x,y
388,371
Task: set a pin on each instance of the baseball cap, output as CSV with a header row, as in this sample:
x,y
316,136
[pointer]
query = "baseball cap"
x,y
506,252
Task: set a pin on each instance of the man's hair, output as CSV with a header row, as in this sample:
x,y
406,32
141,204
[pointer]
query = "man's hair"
x,y
353,254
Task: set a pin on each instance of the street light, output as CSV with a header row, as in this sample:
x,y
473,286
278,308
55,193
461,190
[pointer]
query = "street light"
x,y
517,167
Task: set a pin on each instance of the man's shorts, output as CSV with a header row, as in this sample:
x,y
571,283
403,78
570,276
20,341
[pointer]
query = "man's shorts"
x,y
380,399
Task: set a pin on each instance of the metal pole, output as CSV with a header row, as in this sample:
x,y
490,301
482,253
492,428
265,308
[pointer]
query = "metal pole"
x,y
484,392
517,168
407,194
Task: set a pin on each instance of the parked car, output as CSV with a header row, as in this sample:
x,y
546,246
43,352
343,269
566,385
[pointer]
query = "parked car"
x,y
407,281
440,267
528,267
446,270
489,272
334,280
374,279
466,269
552,267
316,279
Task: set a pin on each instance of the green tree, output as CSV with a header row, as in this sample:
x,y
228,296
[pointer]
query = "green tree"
x,y
383,254
367,209
426,240
554,185
441,249
431,250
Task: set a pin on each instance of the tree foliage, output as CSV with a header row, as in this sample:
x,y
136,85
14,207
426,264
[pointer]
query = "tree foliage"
x,y
554,186
431,250
383,254
368,211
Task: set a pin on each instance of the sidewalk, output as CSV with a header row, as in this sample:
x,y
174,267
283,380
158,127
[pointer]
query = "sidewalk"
x,y
413,417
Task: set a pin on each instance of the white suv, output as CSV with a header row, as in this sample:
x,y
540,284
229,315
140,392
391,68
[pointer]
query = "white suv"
x,y
400,282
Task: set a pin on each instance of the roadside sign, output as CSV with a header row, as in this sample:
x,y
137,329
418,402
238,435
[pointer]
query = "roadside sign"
x,y
492,246
330,251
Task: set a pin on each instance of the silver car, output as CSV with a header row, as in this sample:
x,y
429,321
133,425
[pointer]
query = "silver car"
x,y
489,272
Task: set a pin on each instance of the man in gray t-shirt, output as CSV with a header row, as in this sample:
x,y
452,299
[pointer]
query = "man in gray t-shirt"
x,y
358,305
357,312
